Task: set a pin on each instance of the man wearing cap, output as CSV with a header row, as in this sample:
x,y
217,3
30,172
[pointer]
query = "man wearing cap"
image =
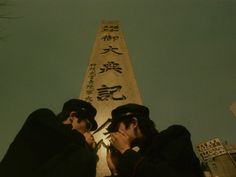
x,y
54,146
168,153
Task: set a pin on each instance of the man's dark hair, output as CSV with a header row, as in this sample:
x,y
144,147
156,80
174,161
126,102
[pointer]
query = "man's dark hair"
x,y
146,125
62,116
126,113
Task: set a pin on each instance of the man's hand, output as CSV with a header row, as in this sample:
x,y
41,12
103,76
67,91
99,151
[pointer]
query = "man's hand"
x,y
90,139
120,141
110,163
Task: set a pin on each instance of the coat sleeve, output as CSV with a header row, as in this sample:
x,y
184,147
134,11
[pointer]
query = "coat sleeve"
x,y
175,159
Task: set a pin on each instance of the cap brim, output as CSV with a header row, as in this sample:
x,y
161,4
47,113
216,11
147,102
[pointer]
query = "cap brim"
x,y
94,124
111,128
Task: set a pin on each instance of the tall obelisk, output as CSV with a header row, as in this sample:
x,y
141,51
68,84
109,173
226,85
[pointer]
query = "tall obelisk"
x,y
109,82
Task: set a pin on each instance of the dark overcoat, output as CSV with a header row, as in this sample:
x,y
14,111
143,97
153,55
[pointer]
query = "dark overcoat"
x,y
44,147
165,154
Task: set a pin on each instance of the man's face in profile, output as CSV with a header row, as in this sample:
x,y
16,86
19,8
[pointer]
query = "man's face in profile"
x,y
79,124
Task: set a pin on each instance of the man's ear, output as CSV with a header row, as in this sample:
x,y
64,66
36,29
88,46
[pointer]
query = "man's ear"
x,y
134,122
72,114
71,117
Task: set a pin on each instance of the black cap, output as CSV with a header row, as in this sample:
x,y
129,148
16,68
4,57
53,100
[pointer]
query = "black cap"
x,y
84,110
127,111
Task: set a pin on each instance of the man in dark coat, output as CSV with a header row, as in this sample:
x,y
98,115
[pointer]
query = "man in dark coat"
x,y
168,153
54,146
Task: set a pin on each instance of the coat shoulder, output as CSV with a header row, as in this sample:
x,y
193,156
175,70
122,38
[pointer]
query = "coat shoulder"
x,y
42,115
42,112
178,130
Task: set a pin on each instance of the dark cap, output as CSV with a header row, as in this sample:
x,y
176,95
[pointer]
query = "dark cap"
x,y
84,110
127,111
